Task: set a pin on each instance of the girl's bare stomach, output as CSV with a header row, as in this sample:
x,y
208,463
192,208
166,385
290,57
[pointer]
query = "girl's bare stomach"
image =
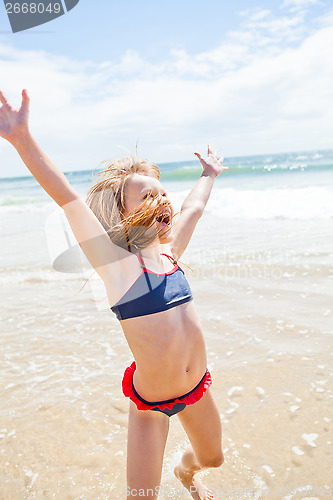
x,y
169,351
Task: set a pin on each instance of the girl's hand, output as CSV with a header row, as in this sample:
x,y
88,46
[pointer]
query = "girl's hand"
x,y
211,165
13,122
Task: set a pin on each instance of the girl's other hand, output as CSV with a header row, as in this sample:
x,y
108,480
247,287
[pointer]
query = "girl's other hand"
x,y
13,122
211,165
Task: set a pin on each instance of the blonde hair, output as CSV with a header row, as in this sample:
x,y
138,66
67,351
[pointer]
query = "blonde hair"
x,y
107,200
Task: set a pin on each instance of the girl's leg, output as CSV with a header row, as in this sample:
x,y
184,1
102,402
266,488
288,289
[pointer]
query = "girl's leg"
x,y
147,435
202,424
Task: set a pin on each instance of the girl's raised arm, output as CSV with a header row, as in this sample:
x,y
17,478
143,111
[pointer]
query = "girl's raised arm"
x,y
88,231
14,127
195,202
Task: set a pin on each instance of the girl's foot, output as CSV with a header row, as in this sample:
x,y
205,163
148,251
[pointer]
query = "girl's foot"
x,y
193,484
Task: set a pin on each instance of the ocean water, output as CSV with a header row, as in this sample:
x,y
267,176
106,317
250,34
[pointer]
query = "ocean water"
x,y
293,185
258,194
260,265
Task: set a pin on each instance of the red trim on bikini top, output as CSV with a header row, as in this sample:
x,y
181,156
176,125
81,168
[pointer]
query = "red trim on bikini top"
x,y
192,398
145,270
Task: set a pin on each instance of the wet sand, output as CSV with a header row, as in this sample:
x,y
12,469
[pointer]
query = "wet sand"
x,y
264,297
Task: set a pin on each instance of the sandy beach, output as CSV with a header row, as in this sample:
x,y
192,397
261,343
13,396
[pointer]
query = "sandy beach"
x,y
263,290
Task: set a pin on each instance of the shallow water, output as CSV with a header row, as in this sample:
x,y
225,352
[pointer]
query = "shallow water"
x,y
263,288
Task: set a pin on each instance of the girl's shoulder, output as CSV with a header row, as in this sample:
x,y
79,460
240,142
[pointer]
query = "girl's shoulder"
x,y
121,275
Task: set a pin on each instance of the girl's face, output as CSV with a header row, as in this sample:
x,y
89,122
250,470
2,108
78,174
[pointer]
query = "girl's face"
x,y
141,189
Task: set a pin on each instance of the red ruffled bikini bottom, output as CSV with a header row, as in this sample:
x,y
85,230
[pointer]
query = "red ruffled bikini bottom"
x,y
170,406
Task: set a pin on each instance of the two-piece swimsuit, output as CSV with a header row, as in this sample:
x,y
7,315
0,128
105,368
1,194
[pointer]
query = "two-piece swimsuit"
x,y
152,293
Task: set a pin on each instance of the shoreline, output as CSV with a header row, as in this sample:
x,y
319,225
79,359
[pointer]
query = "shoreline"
x,y
263,292
64,414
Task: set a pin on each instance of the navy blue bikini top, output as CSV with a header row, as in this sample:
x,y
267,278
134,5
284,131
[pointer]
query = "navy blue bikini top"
x,y
152,293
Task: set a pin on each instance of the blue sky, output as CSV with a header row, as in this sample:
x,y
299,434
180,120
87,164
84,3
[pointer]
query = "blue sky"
x,y
250,77
153,28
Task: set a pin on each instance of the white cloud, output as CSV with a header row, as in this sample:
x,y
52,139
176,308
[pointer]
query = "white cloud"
x,y
265,28
253,93
299,3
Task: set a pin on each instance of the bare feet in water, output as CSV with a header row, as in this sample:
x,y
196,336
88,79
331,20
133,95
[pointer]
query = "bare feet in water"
x,y
193,484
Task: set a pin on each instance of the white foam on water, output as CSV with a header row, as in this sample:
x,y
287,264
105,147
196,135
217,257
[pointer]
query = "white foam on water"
x,y
109,351
235,389
268,469
29,473
270,203
18,205
297,450
310,439
303,203
301,490
233,408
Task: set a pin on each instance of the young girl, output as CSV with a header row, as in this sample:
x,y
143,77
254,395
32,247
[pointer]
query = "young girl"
x,y
125,229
